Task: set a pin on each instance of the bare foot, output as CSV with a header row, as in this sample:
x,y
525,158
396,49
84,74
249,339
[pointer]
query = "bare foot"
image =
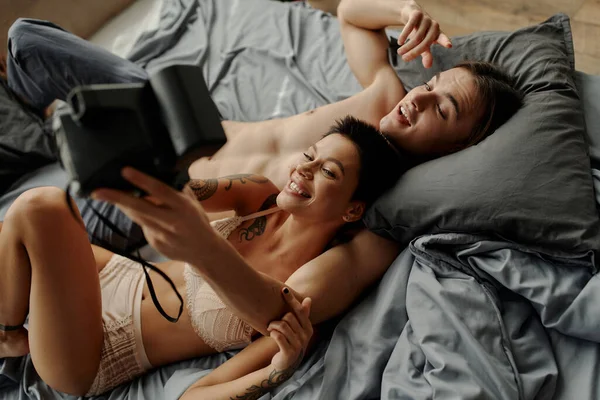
x,y
14,343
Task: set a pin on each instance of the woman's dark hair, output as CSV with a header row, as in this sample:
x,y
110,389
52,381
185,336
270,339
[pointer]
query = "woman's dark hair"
x,y
497,94
381,164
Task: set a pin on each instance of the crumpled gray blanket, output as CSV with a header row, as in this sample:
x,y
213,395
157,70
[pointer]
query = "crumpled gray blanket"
x,y
455,316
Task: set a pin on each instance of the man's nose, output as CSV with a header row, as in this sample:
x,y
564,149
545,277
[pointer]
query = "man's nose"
x,y
422,101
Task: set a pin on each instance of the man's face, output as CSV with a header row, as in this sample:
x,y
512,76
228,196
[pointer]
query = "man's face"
x,y
436,117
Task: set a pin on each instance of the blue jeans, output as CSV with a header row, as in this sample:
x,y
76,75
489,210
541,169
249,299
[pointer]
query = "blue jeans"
x,y
45,62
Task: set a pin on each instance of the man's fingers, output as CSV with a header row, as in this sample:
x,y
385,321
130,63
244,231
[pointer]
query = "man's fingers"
x,y
416,42
427,59
424,43
157,189
444,40
408,28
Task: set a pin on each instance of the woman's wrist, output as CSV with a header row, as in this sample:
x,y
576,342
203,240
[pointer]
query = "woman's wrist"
x,y
276,376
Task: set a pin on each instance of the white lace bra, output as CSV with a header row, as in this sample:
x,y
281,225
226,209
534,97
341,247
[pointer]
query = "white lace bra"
x,y
211,319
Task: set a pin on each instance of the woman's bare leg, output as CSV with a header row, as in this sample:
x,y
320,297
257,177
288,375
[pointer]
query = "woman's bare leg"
x,y
13,297
48,268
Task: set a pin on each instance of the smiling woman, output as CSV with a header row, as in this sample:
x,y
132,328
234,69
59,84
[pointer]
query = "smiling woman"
x,y
274,234
342,173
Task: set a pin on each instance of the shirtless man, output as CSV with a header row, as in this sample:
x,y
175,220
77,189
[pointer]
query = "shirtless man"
x,y
442,116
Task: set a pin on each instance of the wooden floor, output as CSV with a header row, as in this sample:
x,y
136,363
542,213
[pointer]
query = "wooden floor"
x,y
459,17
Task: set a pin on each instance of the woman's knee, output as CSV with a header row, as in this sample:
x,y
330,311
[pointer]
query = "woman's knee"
x,y
41,204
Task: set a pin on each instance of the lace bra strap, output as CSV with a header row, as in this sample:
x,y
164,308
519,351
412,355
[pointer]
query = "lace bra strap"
x,y
260,214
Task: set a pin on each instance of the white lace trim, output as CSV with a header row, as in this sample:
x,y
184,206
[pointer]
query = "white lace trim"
x,y
226,226
212,321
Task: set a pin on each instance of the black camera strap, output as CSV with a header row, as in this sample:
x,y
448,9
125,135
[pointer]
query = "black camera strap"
x,y
136,258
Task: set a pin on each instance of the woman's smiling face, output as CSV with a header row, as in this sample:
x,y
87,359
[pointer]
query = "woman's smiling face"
x,y
323,180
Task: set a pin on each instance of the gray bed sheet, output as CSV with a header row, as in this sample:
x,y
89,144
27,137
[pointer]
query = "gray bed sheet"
x,y
455,316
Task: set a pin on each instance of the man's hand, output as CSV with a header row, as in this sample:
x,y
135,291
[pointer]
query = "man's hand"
x,y
423,32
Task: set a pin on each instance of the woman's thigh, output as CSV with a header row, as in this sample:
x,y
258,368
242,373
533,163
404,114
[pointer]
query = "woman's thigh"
x,y
65,323
102,256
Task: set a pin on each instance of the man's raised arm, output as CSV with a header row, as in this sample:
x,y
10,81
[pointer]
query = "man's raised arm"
x,y
362,25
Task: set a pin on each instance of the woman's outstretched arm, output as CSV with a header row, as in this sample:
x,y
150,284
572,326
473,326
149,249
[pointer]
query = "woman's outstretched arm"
x,y
176,226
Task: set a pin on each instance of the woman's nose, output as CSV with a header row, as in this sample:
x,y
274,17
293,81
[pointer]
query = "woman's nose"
x,y
305,170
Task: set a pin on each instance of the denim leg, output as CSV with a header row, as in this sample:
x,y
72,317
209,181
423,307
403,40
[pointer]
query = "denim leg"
x,y
45,62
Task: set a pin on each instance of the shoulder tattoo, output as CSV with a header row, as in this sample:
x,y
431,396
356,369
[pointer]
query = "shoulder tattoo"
x,y
243,178
259,224
204,188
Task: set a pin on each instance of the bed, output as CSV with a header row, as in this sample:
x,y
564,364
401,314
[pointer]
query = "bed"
x,y
532,330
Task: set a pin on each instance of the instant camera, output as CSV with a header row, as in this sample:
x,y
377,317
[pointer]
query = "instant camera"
x,y
158,127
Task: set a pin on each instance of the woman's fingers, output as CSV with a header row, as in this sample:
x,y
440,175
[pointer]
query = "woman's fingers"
x,y
299,310
125,199
293,322
284,328
155,188
284,346
134,206
306,305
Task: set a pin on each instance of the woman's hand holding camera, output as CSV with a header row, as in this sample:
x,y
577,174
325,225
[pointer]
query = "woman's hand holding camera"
x,y
173,222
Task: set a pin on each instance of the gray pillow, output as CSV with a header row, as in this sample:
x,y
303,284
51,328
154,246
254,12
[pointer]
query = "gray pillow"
x,y
589,90
530,182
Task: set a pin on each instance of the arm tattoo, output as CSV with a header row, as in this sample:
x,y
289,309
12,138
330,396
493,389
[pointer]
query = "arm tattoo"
x,y
259,224
204,188
243,178
275,379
